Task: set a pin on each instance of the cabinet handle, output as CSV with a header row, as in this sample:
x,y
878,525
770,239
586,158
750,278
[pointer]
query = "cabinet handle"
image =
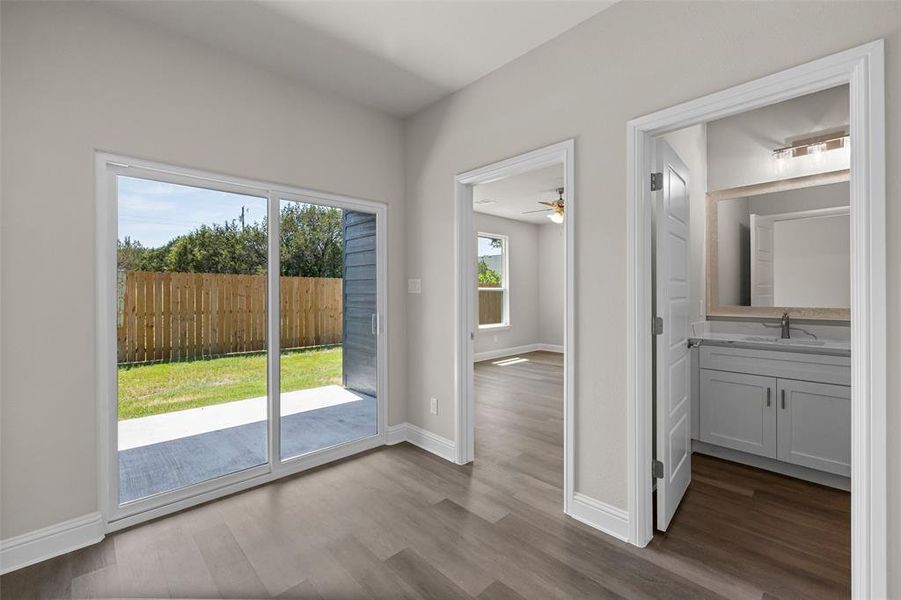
x,y
768,390
783,399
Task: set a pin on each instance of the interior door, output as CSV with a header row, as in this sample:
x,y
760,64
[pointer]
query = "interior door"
x,y
673,406
761,261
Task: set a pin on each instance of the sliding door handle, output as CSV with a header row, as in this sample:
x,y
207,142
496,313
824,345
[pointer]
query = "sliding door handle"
x,y
375,324
783,399
768,393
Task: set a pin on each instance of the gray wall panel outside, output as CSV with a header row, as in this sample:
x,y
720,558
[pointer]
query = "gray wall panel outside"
x,y
360,344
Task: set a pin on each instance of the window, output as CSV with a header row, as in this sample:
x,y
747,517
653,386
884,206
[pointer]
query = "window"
x,y
493,281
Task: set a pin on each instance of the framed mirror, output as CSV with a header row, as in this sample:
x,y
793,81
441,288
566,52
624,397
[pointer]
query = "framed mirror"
x,y
781,246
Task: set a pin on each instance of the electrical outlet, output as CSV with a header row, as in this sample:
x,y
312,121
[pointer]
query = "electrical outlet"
x,y
414,286
494,338
433,405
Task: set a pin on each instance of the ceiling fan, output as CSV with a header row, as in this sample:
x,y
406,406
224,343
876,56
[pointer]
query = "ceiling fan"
x,y
556,208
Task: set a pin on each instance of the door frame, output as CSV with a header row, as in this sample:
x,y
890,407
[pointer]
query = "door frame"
x,y
107,167
863,69
465,273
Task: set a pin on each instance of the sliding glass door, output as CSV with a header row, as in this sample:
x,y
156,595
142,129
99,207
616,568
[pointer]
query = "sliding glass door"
x,y
191,335
243,334
328,327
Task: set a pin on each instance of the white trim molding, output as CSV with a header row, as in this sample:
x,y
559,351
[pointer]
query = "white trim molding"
x,y
550,348
600,515
431,442
396,434
561,153
505,352
863,70
43,544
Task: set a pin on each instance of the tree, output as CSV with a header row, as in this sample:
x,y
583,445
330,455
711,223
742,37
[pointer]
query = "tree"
x,y
488,277
129,254
312,245
312,241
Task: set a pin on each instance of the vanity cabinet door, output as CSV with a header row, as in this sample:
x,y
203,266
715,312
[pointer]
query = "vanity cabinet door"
x,y
815,425
738,411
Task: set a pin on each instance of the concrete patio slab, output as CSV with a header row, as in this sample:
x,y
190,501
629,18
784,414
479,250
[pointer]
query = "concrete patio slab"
x,y
309,424
144,431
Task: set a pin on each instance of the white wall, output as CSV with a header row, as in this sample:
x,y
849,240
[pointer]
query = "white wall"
x,y
741,147
630,60
77,79
522,245
551,277
690,144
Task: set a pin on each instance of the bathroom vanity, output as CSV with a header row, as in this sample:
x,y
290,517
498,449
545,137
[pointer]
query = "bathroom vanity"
x,y
782,405
777,252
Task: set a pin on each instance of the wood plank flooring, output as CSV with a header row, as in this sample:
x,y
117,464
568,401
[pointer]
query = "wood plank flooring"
x,y
398,522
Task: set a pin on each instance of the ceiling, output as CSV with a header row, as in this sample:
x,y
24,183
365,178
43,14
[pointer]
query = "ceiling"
x,y
512,196
397,56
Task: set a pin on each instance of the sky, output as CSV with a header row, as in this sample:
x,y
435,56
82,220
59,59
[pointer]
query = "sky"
x,y
485,248
153,212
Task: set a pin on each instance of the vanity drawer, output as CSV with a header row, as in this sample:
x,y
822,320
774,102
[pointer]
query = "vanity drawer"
x,y
776,363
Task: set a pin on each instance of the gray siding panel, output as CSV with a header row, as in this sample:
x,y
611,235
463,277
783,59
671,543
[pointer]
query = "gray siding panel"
x,y
360,347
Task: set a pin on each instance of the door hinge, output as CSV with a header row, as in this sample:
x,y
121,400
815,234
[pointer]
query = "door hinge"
x,y
658,325
656,181
657,469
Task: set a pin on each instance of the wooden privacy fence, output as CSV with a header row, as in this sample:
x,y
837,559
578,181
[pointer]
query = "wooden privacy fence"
x,y
491,307
179,316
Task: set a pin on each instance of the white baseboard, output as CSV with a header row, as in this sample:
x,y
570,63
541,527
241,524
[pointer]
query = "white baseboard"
x,y
550,348
600,515
437,445
396,434
42,544
502,352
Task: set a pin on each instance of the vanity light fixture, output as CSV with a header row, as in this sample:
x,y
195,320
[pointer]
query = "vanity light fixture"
x,y
813,146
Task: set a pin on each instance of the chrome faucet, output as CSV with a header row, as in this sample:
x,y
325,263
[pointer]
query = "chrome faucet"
x,y
786,326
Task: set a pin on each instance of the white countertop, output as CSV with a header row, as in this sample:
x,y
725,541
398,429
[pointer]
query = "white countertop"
x,y
799,344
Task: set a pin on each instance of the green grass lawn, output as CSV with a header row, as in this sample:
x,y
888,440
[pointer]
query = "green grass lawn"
x,y
165,387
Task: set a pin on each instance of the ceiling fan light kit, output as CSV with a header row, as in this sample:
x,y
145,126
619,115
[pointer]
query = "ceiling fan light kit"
x,y
556,208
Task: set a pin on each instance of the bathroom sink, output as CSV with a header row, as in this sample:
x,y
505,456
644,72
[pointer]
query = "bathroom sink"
x,y
801,342
788,342
795,344
760,338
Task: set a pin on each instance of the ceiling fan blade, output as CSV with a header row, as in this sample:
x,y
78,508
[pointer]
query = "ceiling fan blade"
x,y
552,204
528,212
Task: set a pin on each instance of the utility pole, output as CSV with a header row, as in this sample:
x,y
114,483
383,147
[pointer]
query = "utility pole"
x,y
242,217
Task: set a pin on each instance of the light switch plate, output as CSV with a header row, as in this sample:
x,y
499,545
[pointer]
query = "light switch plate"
x,y
414,286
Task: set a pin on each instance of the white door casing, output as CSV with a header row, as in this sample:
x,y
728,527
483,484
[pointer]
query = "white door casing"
x,y
673,357
761,260
863,68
